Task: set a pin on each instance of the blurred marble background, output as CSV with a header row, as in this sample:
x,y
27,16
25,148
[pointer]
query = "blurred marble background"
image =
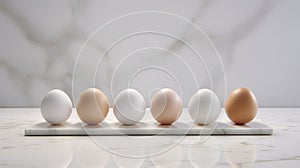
x,y
43,45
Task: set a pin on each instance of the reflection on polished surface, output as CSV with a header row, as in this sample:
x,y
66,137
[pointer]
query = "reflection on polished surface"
x,y
92,156
128,162
170,158
240,153
35,154
205,154
279,150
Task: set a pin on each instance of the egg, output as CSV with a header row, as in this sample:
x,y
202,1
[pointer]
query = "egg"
x,y
92,106
241,106
129,106
56,107
166,106
204,107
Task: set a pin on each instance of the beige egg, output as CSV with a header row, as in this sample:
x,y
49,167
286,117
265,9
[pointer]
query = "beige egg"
x,y
241,106
166,106
92,106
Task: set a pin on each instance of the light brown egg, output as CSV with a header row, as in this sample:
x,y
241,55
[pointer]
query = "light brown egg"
x,y
241,106
166,106
92,106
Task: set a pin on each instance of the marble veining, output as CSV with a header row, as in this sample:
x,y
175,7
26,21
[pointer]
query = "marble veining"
x,y
279,150
39,47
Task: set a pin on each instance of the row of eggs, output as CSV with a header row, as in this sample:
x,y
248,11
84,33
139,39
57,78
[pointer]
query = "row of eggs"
x,y
129,106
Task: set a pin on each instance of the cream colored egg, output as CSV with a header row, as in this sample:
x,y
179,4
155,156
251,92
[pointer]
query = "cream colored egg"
x,y
166,106
92,106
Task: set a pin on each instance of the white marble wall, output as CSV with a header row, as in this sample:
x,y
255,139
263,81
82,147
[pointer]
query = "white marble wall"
x,y
257,42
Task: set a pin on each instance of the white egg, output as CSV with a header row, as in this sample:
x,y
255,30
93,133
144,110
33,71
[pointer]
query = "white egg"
x,y
129,106
56,107
204,107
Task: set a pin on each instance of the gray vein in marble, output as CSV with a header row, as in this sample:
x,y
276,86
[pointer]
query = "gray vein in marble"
x,y
57,48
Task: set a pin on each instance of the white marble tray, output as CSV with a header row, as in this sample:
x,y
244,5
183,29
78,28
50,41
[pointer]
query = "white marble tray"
x,y
149,128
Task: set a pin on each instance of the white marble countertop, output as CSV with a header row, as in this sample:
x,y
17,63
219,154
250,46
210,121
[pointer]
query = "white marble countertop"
x,y
282,149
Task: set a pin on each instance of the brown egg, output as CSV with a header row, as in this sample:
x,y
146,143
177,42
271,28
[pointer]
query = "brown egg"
x,y
92,106
166,106
241,106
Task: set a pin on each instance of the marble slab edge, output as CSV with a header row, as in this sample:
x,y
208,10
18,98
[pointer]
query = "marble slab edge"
x,y
43,129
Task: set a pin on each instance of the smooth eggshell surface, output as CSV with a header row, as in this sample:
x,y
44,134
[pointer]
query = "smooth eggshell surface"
x,y
56,107
204,107
129,106
241,106
166,106
92,106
